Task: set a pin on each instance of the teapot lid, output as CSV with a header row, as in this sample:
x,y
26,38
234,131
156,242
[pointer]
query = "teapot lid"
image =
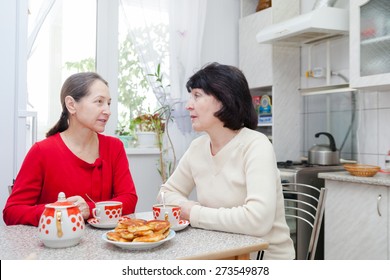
x,y
61,202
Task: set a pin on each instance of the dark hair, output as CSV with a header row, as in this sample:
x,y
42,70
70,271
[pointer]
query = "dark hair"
x,y
228,85
76,86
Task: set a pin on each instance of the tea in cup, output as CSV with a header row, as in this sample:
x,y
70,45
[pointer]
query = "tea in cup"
x,y
167,212
107,212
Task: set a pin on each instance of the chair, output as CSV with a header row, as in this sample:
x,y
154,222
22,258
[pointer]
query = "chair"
x,y
10,187
304,206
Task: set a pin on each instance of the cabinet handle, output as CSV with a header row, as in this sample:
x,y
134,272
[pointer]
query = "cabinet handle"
x,y
377,205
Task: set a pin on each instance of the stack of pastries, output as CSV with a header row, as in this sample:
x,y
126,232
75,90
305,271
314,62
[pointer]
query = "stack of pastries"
x,y
138,230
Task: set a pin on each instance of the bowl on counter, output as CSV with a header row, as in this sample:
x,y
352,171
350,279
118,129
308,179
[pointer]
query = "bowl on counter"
x,y
362,170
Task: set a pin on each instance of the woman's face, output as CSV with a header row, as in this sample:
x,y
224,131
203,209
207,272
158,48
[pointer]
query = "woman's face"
x,y
202,108
93,110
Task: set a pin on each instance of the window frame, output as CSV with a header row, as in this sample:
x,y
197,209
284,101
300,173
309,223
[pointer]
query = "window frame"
x,y
107,53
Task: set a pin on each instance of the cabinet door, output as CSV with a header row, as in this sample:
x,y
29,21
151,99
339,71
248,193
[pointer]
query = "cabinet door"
x,y
369,43
356,221
255,58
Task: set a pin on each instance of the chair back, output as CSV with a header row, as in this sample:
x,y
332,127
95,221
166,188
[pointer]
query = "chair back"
x,y
304,206
10,187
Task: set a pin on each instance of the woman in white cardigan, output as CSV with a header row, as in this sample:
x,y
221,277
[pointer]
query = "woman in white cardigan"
x,y
232,166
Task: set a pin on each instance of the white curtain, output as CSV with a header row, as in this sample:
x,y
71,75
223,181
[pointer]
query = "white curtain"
x,y
187,19
36,23
145,22
186,25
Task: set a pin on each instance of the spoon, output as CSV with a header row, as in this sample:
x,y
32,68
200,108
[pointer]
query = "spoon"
x,y
90,198
163,199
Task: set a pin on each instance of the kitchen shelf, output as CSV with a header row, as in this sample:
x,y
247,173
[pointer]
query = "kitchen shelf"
x,y
264,124
326,89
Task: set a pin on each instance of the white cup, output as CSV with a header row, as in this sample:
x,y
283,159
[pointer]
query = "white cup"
x,y
107,212
169,212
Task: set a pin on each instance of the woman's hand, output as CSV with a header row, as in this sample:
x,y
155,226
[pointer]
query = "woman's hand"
x,y
81,204
186,209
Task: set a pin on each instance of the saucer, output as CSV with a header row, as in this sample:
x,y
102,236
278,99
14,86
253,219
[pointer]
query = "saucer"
x,y
95,223
182,225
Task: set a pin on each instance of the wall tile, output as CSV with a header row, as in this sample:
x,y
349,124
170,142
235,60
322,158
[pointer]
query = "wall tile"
x,y
368,100
368,159
368,132
384,99
383,131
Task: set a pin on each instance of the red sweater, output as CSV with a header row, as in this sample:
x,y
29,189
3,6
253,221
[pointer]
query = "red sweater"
x,y
50,167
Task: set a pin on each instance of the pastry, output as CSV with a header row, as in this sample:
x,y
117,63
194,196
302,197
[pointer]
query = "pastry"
x,y
138,230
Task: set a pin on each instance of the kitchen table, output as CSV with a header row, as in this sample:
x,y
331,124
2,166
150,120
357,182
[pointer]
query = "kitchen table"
x,y
22,242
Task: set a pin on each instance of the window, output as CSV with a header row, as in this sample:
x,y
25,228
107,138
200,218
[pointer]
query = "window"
x,y
143,45
65,44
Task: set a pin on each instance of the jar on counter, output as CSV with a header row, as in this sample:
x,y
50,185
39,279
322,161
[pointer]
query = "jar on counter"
x,y
263,4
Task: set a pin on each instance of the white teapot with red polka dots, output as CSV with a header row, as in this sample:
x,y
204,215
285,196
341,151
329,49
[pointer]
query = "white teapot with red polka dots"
x,y
61,224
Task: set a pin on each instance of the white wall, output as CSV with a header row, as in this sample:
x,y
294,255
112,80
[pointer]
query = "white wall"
x,y
7,87
220,42
12,71
146,178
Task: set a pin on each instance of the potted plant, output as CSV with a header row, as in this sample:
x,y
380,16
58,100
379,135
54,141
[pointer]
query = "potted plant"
x,y
150,129
125,134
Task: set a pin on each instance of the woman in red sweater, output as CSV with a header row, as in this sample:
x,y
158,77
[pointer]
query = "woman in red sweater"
x,y
75,158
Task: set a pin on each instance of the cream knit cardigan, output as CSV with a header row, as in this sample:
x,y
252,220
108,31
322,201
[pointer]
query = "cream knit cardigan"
x,y
239,190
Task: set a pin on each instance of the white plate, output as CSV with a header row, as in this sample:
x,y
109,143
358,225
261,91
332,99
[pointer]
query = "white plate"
x,y
139,245
182,225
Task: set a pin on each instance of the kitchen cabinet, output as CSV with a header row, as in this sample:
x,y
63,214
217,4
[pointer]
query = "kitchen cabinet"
x,y
357,219
369,44
273,70
255,59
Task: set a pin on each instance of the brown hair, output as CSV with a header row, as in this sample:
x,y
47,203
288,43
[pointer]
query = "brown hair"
x,y
76,86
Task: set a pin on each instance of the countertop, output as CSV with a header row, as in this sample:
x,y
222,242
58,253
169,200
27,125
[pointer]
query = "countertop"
x,y
22,242
379,178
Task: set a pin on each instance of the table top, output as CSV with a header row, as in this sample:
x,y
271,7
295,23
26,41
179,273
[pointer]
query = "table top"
x,y
22,242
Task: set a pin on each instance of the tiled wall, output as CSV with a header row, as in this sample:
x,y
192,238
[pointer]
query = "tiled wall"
x,y
369,140
374,127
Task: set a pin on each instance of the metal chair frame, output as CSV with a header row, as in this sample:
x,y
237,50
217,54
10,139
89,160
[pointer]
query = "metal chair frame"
x,y
10,187
307,207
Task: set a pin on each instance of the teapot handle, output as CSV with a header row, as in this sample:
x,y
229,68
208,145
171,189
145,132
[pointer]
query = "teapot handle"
x,y
58,223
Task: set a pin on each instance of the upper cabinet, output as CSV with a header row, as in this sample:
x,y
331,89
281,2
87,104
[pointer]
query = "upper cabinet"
x,y
370,44
273,71
254,56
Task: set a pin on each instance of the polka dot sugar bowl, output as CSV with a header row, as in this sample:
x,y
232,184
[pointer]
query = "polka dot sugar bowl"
x,y
61,224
